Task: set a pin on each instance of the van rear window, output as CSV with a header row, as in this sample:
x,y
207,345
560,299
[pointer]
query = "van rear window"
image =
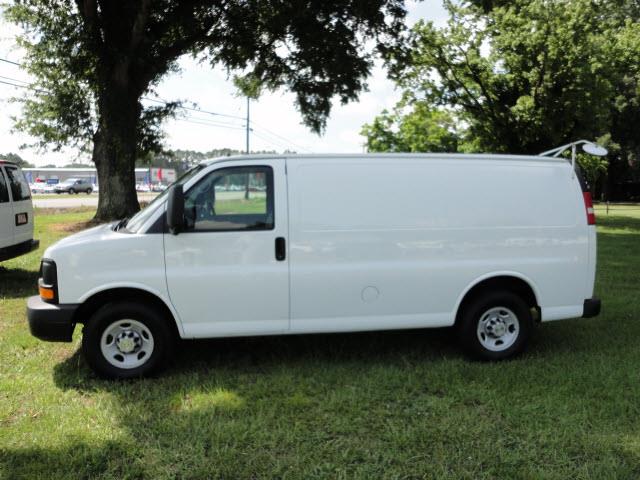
x,y
19,186
4,191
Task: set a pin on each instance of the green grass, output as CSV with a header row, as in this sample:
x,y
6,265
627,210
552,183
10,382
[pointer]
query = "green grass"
x,y
256,205
375,405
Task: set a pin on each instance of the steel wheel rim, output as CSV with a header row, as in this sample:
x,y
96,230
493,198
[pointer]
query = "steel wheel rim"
x,y
127,344
498,329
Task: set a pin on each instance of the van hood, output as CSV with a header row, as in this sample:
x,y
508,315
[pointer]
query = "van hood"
x,y
85,236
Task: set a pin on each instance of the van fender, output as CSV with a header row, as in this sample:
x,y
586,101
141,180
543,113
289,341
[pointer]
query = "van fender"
x,y
490,275
137,286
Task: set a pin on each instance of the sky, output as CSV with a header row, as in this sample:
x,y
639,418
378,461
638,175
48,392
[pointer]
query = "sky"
x,y
275,121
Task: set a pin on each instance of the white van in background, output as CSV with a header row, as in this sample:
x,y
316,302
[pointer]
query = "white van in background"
x,y
270,245
16,213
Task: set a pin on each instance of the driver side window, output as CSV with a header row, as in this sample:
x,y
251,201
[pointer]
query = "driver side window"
x,y
231,199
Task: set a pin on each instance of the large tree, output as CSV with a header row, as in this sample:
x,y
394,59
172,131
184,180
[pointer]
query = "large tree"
x,y
93,60
523,76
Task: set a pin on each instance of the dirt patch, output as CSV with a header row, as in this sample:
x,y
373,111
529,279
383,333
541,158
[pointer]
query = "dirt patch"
x,y
57,211
71,227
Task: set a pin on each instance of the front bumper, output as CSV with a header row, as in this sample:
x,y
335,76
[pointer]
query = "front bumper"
x,y
53,323
591,307
19,249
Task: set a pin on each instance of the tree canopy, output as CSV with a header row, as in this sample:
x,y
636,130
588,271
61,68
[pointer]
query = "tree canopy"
x,y
93,61
415,128
524,76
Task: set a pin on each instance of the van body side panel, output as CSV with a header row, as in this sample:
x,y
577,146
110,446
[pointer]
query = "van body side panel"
x,y
396,241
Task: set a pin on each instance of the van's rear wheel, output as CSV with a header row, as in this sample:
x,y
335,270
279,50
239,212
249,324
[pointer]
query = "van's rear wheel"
x,y
126,340
495,326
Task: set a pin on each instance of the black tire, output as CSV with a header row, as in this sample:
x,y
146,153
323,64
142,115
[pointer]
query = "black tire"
x,y
88,191
155,321
476,310
71,191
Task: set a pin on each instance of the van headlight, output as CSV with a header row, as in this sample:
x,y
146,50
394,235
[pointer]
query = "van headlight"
x,y
48,281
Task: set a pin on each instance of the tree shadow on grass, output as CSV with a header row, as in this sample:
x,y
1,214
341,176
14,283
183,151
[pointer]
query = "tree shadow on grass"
x,y
242,355
619,222
17,283
310,404
304,406
78,459
227,400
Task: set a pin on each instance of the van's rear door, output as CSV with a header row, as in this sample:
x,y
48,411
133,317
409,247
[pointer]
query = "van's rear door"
x,y
22,206
6,213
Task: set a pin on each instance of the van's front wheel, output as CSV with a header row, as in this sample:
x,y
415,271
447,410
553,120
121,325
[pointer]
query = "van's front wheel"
x,y
126,340
495,326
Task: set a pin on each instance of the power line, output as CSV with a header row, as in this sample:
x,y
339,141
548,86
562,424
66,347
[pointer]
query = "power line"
x,y
190,119
154,99
14,84
247,125
28,87
271,141
9,61
210,124
280,137
194,109
14,79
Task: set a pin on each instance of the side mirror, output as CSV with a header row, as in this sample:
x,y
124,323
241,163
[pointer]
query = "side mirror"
x,y
175,209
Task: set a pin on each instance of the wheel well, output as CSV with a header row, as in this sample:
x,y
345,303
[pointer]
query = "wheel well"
x,y
512,284
93,303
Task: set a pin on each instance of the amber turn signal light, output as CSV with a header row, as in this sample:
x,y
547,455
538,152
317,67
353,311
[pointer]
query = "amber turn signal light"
x,y
46,293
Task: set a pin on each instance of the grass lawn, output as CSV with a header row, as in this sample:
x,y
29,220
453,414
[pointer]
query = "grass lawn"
x,y
238,206
376,405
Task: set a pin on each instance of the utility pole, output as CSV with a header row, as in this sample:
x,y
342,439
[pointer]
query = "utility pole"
x,y
246,186
247,125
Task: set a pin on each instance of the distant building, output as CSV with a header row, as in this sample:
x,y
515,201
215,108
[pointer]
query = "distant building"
x,y
55,175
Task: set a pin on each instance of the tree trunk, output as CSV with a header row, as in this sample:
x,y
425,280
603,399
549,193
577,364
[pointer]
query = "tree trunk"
x,y
114,154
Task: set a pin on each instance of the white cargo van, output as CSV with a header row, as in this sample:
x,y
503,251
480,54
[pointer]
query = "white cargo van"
x,y
266,245
16,213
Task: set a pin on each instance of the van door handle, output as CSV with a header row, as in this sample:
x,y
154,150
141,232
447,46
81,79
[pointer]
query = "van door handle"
x,y
281,249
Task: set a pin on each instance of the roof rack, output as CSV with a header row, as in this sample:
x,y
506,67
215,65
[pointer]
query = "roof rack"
x,y
426,156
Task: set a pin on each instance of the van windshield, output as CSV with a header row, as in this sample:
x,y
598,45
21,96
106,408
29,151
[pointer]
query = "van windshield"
x,y
134,224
